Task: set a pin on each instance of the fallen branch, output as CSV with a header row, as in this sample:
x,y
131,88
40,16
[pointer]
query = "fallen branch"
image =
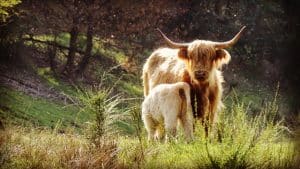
x,y
52,43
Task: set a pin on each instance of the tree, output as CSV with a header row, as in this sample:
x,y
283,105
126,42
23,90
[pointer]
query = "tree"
x,y
126,25
73,37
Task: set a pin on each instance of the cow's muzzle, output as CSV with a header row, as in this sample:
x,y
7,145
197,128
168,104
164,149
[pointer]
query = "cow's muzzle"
x,y
201,75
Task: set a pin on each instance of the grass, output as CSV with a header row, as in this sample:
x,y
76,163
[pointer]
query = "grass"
x,y
203,154
96,147
50,80
20,108
241,140
131,88
45,149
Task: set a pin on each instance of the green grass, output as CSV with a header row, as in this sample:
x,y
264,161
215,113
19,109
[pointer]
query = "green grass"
x,y
18,107
46,73
202,154
49,79
133,89
240,140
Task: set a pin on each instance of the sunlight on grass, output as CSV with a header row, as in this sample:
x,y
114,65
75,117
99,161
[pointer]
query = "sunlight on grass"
x,y
132,89
46,73
23,109
239,141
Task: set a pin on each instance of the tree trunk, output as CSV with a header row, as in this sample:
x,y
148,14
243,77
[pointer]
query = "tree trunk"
x,y
89,46
52,50
72,50
69,67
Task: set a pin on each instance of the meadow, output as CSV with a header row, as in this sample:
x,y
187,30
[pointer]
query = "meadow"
x,y
112,136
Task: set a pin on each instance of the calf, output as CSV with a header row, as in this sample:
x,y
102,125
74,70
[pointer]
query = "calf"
x,y
166,105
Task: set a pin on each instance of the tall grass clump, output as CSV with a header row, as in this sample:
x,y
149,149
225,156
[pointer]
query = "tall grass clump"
x,y
95,147
249,141
103,104
45,149
240,139
105,110
136,158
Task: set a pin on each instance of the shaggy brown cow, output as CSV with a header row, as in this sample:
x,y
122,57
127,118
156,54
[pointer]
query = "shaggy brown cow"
x,y
196,63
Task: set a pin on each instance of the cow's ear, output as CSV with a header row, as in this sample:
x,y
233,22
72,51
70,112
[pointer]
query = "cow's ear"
x,y
222,57
183,53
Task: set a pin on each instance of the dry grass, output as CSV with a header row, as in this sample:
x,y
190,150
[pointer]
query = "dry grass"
x,y
43,149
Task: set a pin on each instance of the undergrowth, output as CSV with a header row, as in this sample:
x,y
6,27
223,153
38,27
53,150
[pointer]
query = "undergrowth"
x,y
114,137
45,149
96,147
240,140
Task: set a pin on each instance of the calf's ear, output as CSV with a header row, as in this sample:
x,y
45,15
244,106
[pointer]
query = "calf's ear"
x,y
222,57
182,53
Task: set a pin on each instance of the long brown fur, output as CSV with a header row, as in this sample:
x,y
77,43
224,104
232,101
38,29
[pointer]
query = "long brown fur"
x,y
164,66
186,63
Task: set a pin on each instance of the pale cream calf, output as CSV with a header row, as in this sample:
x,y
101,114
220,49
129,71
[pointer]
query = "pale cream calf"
x,y
165,107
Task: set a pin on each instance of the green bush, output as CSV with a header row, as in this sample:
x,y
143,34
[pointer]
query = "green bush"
x,y
104,108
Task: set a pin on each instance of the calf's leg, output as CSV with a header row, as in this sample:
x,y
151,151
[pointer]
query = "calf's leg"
x,y
150,126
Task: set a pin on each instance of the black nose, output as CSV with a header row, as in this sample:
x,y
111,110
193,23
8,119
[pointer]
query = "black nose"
x,y
200,75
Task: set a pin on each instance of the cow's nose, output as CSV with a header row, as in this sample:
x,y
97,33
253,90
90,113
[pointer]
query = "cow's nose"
x,y
200,75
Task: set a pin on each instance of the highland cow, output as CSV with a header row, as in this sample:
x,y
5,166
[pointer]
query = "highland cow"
x,y
197,63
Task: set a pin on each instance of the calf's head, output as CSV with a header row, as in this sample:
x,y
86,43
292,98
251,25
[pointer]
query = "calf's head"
x,y
202,56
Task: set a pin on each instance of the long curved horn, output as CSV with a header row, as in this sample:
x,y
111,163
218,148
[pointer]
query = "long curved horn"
x,y
171,43
231,42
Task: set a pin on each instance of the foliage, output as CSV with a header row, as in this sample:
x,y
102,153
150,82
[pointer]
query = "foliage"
x,y
104,109
5,8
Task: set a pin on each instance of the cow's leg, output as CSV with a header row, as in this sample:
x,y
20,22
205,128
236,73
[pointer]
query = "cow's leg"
x,y
215,105
193,104
203,106
206,115
199,104
192,94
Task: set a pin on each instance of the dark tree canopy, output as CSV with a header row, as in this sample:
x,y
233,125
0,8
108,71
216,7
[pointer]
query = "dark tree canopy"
x,y
268,49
